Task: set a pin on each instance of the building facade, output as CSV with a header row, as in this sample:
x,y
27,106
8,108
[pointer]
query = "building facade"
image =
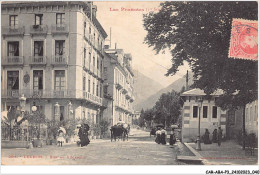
x,y
118,86
53,53
211,116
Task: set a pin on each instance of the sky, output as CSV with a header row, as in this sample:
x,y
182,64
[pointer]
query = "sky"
x,y
128,33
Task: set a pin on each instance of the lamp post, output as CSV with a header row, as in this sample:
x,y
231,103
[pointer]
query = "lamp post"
x,y
22,105
198,146
34,109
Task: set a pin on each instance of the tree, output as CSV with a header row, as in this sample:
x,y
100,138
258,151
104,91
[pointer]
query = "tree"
x,y
168,108
199,33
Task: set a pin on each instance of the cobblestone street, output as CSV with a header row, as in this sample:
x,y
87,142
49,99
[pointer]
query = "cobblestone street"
x,y
140,149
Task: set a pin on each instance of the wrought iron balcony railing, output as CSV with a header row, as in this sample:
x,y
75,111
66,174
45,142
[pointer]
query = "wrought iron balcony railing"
x,y
38,29
38,60
59,60
13,60
59,29
13,30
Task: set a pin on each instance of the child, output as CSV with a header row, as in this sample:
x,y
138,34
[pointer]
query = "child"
x,y
60,138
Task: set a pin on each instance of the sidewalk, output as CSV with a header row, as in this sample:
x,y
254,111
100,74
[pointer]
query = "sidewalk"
x,y
229,153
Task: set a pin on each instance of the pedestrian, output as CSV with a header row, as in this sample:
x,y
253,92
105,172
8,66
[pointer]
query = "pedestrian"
x,y
219,135
60,138
214,138
83,135
172,137
163,136
158,136
206,137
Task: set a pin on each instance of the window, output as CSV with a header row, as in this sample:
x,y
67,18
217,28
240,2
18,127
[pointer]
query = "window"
x,y
83,114
100,91
37,79
105,90
214,112
88,85
59,47
38,48
89,57
94,61
13,48
94,38
84,54
101,64
97,90
59,80
93,88
12,80
195,111
97,63
60,19
84,83
38,19
89,30
13,21
85,25
205,111
255,118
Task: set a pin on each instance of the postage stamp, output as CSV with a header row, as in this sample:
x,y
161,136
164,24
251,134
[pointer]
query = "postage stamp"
x,y
244,39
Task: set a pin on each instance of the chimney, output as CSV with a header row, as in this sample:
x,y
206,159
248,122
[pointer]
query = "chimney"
x,y
115,45
187,80
94,10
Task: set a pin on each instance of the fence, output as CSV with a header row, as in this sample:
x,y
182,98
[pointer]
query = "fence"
x,y
21,133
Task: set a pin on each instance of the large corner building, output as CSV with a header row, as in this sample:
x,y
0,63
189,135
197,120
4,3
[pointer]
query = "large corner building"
x,y
53,53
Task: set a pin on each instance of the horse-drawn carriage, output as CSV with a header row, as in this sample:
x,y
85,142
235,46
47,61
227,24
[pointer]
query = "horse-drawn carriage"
x,y
120,131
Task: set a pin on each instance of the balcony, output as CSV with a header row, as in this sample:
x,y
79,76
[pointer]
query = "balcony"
x,y
92,98
59,29
12,60
38,29
12,30
119,86
127,96
38,60
52,94
59,60
124,91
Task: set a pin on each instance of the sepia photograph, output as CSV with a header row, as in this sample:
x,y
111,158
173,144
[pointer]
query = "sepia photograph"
x,y
130,83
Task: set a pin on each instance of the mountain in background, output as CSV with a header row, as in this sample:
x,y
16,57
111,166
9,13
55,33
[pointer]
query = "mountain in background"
x,y
144,87
177,85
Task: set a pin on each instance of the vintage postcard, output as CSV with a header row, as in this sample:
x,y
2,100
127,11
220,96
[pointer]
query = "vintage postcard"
x,y
129,83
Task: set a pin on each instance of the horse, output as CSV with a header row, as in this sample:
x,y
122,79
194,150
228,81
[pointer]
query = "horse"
x,y
118,132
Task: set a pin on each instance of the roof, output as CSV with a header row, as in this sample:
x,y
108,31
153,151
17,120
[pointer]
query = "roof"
x,y
200,92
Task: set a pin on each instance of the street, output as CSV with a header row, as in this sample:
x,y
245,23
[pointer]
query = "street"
x,y
140,149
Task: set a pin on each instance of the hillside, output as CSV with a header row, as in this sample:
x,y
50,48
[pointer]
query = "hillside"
x,y
176,85
144,87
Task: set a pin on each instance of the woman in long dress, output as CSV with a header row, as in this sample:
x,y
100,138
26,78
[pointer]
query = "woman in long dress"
x,y
83,135
158,136
163,137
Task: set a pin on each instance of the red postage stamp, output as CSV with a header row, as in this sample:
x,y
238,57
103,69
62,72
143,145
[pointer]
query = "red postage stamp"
x,y
244,39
